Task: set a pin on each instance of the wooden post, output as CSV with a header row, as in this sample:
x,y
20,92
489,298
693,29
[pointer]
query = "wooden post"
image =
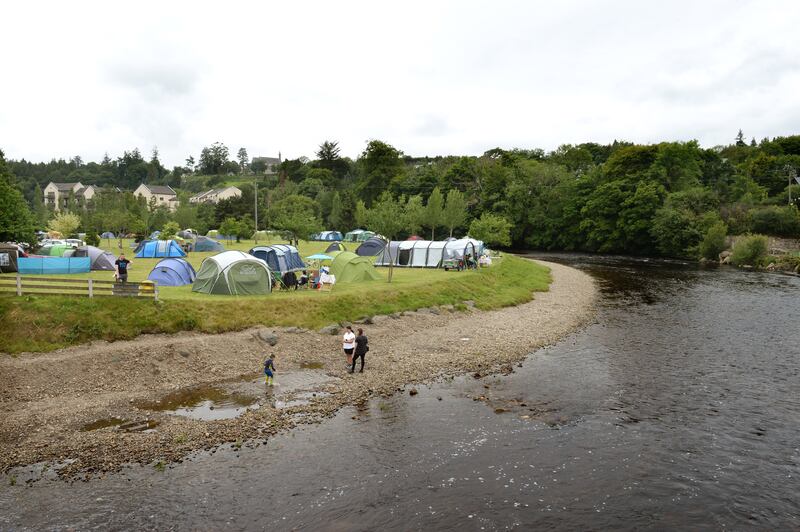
x,y
155,293
19,285
91,288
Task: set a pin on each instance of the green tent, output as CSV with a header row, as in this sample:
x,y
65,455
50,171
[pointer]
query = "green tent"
x,y
350,268
54,250
233,273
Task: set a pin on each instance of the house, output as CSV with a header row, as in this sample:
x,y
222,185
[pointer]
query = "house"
x,y
215,195
161,195
270,164
57,195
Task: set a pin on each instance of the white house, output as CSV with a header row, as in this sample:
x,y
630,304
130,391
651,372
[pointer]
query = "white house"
x,y
215,195
162,195
56,195
271,164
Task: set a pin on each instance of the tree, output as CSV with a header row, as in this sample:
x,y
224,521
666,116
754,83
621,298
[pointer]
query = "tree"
x,y
740,138
386,218
414,214
328,151
713,242
40,211
213,158
190,163
65,223
491,229
297,215
379,164
229,227
16,222
455,210
169,231
434,211
92,238
335,216
241,155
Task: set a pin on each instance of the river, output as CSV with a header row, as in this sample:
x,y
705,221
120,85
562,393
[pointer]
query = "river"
x,y
678,408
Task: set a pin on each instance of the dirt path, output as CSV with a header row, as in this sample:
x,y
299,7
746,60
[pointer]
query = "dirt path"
x,y
46,399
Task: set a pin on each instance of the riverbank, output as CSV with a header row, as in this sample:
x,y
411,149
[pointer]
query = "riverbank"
x,y
51,397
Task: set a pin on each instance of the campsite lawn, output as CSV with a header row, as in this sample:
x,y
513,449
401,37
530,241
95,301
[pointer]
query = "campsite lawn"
x,y
43,323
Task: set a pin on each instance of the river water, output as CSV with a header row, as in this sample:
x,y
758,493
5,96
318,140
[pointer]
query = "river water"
x,y
678,408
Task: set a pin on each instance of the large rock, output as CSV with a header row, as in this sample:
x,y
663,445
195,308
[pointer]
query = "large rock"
x,y
268,336
330,329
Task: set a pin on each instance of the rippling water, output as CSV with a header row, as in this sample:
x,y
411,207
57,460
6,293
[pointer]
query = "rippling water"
x,y
678,408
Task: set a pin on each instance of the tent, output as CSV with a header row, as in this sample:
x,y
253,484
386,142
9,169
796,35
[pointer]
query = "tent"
x,y
213,234
9,254
188,234
154,235
233,273
54,250
358,235
427,253
100,260
335,246
158,248
350,268
328,235
371,247
203,243
279,257
172,272
107,234
53,265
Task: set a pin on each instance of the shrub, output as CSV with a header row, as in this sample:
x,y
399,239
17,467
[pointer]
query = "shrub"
x,y
774,220
750,250
713,242
92,238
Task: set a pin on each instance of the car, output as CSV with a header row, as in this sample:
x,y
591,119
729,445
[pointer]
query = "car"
x,y
75,242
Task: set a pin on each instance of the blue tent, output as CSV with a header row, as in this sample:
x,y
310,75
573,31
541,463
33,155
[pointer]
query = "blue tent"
x,y
204,243
172,272
107,234
159,248
280,258
328,236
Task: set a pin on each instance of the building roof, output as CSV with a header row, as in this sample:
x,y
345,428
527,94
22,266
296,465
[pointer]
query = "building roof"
x,y
267,160
160,189
65,187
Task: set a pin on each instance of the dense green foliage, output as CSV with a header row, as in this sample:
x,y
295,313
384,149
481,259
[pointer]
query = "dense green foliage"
x,y
750,250
659,199
713,242
16,220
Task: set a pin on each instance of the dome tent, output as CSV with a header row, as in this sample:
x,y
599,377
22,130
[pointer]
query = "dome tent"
x,y
100,260
172,272
328,236
371,247
233,273
148,249
358,235
108,234
335,246
188,234
350,268
279,257
203,243
54,250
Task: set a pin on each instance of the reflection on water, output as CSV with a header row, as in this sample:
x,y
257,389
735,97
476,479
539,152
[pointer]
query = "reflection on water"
x,y
678,408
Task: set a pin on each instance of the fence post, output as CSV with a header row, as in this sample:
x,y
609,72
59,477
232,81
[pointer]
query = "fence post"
x,y
155,292
91,288
19,285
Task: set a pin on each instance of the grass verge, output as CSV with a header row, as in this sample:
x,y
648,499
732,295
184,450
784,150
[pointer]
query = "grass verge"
x,y
45,323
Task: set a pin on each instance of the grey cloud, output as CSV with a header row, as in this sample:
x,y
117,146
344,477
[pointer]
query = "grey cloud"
x,y
169,79
432,126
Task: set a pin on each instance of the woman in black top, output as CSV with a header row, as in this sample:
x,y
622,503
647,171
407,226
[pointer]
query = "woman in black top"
x,y
361,349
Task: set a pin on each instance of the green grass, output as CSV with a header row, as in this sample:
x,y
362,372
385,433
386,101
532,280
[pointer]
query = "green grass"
x,y
44,323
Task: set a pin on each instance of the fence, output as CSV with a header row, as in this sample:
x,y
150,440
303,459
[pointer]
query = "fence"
x,y
20,285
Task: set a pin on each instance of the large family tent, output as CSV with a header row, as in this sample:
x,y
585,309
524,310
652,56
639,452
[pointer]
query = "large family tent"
x,y
53,265
203,243
233,273
172,272
100,260
371,247
9,254
335,246
149,249
54,250
108,234
328,236
358,235
427,253
350,268
279,257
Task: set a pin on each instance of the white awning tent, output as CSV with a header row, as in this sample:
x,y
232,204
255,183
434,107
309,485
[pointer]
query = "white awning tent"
x,y
427,253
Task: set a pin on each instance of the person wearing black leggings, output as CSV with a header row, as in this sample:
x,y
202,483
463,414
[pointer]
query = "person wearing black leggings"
x,y
361,349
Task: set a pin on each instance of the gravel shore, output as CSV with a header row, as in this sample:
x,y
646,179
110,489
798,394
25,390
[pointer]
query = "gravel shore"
x,y
49,400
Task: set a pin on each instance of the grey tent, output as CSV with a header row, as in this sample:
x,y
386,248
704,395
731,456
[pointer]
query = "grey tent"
x,y
9,253
371,247
335,246
100,260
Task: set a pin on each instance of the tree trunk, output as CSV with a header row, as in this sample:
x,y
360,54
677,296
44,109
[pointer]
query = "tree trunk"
x,y
451,232
432,233
391,261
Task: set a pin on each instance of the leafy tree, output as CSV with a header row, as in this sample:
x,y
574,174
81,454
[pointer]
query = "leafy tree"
x,y
713,242
335,216
16,222
386,218
190,164
65,223
491,229
169,231
41,213
750,250
774,220
414,214
92,238
297,215
379,164
329,159
229,227
186,215
241,155
245,228
434,211
214,158
454,213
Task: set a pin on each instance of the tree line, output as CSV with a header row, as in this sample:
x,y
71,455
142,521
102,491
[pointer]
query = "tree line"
x,y
658,199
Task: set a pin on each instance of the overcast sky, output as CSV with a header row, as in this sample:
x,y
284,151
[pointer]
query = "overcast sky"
x,y
429,77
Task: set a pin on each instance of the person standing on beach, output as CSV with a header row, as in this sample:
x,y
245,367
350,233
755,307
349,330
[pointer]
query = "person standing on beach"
x,y
349,344
269,371
362,347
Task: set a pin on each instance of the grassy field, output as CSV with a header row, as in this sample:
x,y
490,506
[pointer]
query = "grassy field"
x,y
43,323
